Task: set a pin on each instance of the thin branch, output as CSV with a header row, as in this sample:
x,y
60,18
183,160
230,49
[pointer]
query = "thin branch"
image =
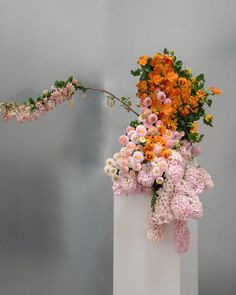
x,y
115,97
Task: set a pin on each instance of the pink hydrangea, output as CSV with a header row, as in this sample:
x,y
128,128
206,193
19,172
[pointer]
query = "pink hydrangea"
x,y
196,150
181,235
175,173
127,184
155,232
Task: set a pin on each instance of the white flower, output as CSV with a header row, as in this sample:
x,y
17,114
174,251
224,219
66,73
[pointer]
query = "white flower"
x,y
134,138
142,139
107,170
109,162
160,180
113,171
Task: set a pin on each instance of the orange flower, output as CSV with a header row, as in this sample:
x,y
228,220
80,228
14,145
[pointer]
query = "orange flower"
x,y
156,79
165,153
182,82
165,119
150,156
166,59
167,109
185,111
143,60
172,125
193,101
156,59
160,140
194,128
172,77
161,130
201,94
215,90
142,86
149,147
142,95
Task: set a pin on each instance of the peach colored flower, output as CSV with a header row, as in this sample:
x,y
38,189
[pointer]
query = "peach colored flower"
x,y
123,140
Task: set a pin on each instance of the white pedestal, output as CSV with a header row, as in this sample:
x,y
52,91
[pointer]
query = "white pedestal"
x,y
142,267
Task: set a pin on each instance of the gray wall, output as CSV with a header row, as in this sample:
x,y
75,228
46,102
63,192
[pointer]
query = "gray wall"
x,y
55,203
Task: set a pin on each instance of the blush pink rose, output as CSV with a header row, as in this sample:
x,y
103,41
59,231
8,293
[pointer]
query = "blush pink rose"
x,y
167,101
161,96
123,140
152,118
147,102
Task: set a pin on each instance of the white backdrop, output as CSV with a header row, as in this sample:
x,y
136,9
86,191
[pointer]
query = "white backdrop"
x,y
55,203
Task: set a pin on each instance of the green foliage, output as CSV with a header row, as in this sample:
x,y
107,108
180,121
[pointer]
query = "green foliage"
x,y
136,72
195,137
154,199
134,123
60,84
209,102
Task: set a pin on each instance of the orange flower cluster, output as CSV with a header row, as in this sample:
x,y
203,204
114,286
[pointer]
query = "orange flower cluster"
x,y
151,140
178,86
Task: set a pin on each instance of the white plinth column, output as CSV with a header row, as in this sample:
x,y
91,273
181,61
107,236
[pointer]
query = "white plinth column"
x,y
142,267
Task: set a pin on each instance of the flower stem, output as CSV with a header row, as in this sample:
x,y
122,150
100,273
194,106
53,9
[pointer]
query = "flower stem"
x,y
115,97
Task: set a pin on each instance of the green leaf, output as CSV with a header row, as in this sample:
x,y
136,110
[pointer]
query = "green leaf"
x,y
134,123
178,63
59,84
200,77
136,72
154,199
166,51
199,137
69,80
31,101
209,102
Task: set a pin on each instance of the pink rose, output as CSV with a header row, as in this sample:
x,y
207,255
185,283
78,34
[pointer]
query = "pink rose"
x,y
123,140
152,118
147,101
157,90
129,128
167,101
161,96
158,123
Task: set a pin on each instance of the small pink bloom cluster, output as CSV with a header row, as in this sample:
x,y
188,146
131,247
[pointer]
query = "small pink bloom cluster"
x,y
32,111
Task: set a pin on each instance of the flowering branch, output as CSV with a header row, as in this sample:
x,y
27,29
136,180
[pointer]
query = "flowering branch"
x,y
61,91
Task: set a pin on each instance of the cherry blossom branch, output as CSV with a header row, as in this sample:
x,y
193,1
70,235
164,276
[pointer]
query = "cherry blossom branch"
x,y
61,91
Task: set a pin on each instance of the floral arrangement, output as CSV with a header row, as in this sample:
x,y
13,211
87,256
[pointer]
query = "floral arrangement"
x,y
157,155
